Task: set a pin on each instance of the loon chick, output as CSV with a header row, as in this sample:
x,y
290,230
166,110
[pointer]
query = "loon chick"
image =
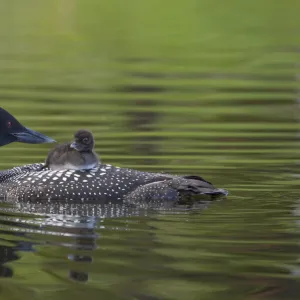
x,y
12,131
78,155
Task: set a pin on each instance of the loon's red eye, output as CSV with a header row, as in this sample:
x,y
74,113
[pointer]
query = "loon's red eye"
x,y
9,124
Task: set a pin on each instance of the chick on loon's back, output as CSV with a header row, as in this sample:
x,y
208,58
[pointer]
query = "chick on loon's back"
x,y
103,184
78,155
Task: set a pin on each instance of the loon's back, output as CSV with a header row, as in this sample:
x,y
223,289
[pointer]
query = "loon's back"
x,y
104,184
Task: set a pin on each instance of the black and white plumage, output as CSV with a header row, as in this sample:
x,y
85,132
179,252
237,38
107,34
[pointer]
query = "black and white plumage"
x,y
103,184
78,155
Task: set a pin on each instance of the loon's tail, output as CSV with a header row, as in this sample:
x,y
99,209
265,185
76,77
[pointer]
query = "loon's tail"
x,y
174,189
196,185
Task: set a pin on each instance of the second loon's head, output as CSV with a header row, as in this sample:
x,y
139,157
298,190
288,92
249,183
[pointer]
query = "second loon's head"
x,y
13,131
83,141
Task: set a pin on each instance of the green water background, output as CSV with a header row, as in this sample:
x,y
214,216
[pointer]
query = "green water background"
x,y
197,87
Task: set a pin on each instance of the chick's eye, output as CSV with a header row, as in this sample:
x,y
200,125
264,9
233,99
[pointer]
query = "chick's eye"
x,y
9,124
85,140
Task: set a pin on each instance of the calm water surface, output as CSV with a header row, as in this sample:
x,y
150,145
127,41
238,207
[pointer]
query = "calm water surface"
x,y
244,247
191,88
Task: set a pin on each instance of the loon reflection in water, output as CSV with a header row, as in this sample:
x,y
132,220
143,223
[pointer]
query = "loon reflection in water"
x,y
78,155
103,184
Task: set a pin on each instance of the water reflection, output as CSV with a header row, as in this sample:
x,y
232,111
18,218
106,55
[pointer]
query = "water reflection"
x,y
211,250
74,228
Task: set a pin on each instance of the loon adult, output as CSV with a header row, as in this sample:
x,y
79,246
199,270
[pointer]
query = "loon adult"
x,y
78,155
104,184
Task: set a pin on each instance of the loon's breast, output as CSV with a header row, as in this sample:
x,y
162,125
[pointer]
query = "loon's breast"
x,y
104,184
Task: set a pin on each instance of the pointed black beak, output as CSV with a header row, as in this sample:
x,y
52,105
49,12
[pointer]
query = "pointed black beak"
x,y
29,136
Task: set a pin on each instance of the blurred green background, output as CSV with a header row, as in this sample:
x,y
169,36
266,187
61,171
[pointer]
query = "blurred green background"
x,y
207,87
173,84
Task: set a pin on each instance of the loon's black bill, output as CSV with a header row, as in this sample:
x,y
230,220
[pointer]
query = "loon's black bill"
x,y
31,137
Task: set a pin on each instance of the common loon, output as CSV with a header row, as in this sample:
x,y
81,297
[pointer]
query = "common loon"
x,y
78,155
103,184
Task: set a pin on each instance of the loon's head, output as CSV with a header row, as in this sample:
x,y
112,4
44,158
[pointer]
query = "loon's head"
x,y
83,141
13,131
